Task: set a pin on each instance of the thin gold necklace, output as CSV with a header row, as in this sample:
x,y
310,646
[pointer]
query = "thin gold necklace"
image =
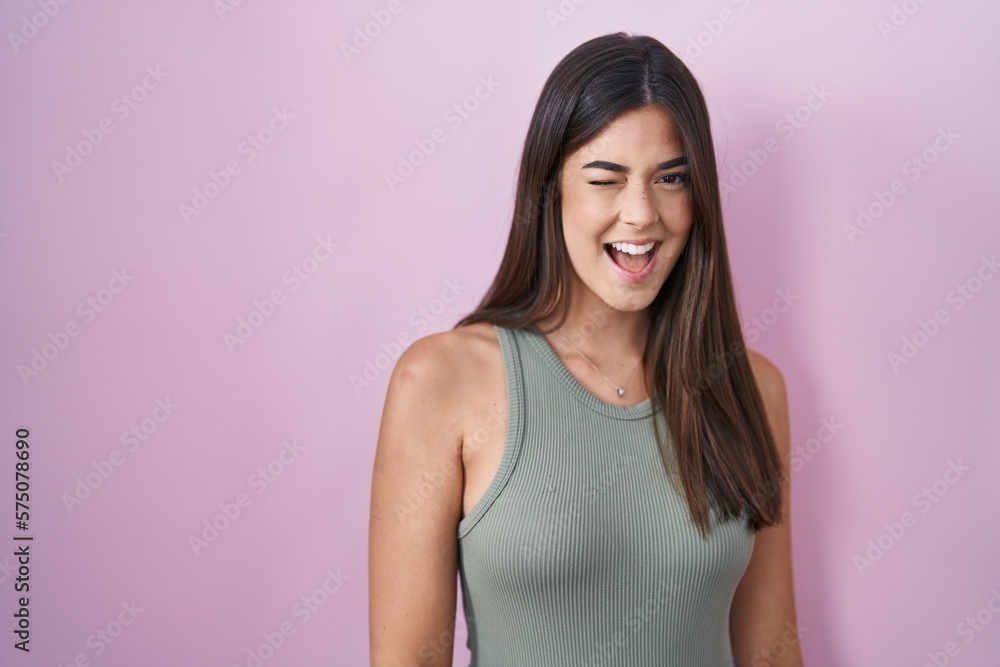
x,y
618,388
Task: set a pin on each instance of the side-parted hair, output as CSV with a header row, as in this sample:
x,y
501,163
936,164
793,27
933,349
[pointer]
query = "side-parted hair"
x,y
695,359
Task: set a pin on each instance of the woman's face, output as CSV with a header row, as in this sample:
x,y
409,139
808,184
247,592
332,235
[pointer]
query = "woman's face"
x,y
628,185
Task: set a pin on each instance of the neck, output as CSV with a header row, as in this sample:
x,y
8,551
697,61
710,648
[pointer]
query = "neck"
x,y
611,338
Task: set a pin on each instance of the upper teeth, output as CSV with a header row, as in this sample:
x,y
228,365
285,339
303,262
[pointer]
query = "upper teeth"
x,y
633,249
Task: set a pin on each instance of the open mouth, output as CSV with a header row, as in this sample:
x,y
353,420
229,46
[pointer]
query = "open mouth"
x,y
632,258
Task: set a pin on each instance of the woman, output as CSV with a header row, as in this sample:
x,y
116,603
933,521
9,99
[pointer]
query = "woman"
x,y
593,450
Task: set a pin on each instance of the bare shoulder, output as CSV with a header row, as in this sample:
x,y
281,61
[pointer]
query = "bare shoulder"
x,y
450,358
769,378
771,384
450,371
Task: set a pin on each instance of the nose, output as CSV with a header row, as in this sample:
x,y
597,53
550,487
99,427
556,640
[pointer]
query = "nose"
x,y
638,208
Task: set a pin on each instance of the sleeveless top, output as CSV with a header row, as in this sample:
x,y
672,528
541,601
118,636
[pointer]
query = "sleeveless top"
x,y
582,551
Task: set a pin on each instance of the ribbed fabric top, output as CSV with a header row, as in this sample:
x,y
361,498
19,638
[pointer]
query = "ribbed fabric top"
x,y
582,551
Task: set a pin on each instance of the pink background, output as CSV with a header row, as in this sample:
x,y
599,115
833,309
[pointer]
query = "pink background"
x,y
320,174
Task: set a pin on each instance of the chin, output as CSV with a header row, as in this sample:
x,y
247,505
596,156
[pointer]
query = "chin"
x,y
628,303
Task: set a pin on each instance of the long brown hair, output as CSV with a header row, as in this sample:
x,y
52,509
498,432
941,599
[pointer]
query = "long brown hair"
x,y
695,359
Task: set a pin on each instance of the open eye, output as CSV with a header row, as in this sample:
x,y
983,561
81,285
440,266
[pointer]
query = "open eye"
x,y
675,179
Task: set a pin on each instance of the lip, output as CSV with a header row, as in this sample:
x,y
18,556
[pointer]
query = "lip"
x,y
642,241
640,276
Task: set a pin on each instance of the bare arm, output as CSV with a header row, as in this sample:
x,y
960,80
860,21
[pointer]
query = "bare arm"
x,y
416,505
762,621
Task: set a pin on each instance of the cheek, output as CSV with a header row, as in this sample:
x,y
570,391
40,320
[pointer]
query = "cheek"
x,y
583,223
581,211
581,245
679,218
682,230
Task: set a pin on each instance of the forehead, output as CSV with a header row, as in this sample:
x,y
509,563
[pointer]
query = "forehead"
x,y
638,132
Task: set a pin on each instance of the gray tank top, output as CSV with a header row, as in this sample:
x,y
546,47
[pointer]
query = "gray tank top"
x,y
582,551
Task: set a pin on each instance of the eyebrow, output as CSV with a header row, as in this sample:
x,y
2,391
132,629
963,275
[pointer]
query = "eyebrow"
x,y
611,166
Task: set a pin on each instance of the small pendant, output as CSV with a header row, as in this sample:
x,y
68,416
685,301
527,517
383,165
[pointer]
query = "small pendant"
x,y
621,391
